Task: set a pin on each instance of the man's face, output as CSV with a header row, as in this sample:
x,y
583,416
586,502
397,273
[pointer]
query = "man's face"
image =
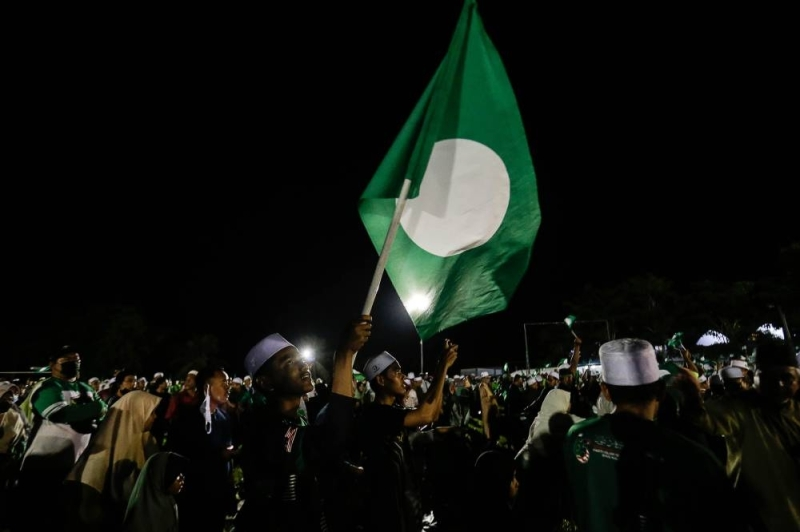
x,y
247,381
67,367
288,373
128,383
219,388
392,381
190,383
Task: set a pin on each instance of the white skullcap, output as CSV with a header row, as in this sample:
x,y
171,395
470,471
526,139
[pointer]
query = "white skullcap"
x,y
628,362
530,380
377,364
731,372
237,380
553,374
157,375
411,375
738,363
484,374
93,379
263,351
192,372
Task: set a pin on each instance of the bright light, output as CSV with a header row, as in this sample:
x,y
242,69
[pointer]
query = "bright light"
x,y
771,330
418,303
308,354
712,338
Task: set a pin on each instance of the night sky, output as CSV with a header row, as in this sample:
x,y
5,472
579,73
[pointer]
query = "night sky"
x,y
207,169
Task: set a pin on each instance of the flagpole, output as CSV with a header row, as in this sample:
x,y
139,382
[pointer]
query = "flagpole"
x,y
387,247
527,358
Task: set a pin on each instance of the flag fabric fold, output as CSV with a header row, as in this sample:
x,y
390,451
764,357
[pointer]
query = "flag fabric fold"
x,y
467,229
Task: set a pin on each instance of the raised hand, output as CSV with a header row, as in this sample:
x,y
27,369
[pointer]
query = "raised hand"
x,y
358,333
450,354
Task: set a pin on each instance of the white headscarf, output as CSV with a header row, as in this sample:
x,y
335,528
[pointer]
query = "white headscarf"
x,y
555,402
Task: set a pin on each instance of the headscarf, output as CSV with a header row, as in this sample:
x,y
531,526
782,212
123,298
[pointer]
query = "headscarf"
x,y
555,402
13,429
151,507
119,447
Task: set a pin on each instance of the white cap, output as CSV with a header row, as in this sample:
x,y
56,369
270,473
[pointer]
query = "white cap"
x,y
237,380
484,374
263,351
731,372
553,374
628,362
738,363
410,375
377,364
93,379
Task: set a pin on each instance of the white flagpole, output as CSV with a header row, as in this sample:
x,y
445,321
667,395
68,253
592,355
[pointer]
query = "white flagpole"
x,y
387,247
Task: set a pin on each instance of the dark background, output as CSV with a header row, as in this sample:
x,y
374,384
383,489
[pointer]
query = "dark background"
x,y
204,167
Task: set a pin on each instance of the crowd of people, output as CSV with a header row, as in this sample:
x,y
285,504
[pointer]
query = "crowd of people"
x,y
641,443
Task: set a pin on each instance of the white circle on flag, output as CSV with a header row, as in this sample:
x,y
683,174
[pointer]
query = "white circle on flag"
x,y
462,200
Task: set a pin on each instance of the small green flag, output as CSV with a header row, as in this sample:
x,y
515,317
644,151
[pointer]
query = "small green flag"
x,y
570,321
676,342
466,233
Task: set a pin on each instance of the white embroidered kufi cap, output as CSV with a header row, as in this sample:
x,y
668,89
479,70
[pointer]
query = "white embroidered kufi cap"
x,y
739,363
731,372
377,364
263,351
628,362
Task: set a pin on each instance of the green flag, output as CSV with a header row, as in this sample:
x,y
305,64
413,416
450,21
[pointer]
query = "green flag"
x,y
676,342
570,321
467,230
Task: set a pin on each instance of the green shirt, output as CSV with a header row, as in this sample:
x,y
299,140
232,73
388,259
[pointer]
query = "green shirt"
x,y
628,473
73,403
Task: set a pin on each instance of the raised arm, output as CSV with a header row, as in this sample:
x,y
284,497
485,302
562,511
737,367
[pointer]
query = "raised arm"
x,y
429,409
576,355
353,339
688,361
